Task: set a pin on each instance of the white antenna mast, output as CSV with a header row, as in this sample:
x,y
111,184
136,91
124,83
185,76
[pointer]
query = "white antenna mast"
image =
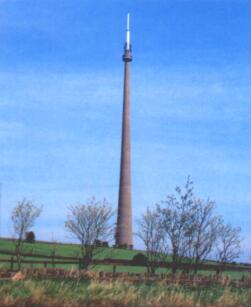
x,y
128,32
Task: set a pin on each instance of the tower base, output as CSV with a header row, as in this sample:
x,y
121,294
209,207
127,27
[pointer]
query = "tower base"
x,y
123,246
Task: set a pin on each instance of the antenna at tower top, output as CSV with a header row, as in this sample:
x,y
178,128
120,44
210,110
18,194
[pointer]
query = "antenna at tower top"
x,y
128,22
128,32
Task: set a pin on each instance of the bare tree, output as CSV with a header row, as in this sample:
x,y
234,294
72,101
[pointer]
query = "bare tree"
x,y
175,219
228,244
152,234
194,230
205,229
88,223
23,217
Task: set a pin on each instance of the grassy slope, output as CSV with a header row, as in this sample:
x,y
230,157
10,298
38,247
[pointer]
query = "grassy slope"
x,y
73,250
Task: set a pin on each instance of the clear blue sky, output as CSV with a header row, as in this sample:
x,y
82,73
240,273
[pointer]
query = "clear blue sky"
x,y
61,79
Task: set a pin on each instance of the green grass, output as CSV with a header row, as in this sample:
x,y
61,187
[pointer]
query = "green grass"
x,y
58,293
73,250
70,250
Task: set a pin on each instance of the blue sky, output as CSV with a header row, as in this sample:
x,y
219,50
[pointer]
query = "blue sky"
x,y
61,78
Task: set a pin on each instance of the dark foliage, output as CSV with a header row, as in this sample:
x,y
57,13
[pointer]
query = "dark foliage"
x,y
30,237
140,259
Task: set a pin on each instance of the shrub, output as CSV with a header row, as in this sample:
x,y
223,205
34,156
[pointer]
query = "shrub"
x,y
30,237
100,243
140,259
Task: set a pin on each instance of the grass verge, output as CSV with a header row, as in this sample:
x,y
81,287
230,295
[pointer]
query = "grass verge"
x,y
68,293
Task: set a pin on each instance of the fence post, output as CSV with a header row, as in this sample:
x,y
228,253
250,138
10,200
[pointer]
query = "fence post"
x,y
53,259
11,263
114,269
45,264
79,264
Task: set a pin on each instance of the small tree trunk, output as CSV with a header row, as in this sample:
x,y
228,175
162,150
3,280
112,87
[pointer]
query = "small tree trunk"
x,y
18,256
196,266
85,264
174,267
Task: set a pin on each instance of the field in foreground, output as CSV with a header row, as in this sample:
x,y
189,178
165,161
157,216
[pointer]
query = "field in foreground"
x,y
71,293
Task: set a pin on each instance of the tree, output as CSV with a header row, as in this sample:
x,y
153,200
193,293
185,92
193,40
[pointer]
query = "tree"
x,y
88,223
228,244
175,220
23,217
152,234
204,230
194,230
190,225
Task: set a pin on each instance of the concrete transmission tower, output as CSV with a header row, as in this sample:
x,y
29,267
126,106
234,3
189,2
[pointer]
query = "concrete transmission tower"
x,y
124,218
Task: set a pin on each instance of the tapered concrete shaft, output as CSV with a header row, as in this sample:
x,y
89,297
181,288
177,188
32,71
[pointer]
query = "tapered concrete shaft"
x,y
124,219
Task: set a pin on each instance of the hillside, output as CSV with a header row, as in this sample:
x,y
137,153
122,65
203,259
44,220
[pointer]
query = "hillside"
x,y
66,249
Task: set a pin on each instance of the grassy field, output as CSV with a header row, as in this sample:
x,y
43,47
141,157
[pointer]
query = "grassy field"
x,y
70,250
73,250
34,292
69,293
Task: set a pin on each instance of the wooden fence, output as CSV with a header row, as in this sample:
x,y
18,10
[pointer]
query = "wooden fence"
x,y
52,260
